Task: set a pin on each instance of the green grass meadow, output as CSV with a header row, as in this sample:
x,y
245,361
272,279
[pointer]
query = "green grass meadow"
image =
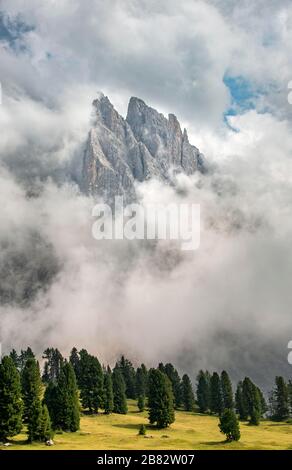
x,y
190,431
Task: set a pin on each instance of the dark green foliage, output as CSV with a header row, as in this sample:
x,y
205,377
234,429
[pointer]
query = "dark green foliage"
x,y
62,401
46,432
141,403
53,364
264,406
141,381
281,400
90,382
241,404
10,399
161,400
14,356
251,401
216,398
75,362
31,394
129,375
203,391
174,378
188,398
227,393
108,393
119,388
290,395
23,357
142,430
229,425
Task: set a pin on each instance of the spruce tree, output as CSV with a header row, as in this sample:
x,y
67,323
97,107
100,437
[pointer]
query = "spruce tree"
x,y
90,382
62,400
175,380
227,393
203,391
129,375
264,406
23,357
240,404
31,393
14,356
161,400
108,393
229,425
216,399
281,400
119,389
75,362
11,405
53,364
141,403
251,401
188,398
141,386
45,432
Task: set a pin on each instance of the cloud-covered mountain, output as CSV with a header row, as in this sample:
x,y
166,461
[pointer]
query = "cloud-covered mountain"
x,y
145,145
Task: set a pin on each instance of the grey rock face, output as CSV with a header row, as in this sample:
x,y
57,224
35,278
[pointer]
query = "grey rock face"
x,y
145,145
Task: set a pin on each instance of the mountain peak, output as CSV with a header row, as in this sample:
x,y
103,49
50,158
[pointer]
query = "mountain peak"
x,y
144,145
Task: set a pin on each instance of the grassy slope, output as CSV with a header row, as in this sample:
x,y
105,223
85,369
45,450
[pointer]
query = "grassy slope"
x,y
190,431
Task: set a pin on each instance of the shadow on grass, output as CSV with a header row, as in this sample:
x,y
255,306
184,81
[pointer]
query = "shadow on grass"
x,y
215,443
127,426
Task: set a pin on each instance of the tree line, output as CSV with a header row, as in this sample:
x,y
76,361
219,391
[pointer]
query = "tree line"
x,y
50,399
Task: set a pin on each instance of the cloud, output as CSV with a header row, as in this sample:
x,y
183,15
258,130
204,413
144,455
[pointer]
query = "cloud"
x,y
227,304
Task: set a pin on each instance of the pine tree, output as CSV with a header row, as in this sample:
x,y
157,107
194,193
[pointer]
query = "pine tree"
x,y
62,401
90,382
251,401
75,362
188,398
175,380
161,400
216,399
119,389
31,393
281,400
129,375
10,399
227,393
264,406
108,393
203,391
240,403
229,425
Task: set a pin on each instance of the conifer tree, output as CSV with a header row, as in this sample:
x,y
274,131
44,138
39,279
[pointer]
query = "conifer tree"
x,y
281,400
251,401
108,392
227,393
31,394
90,382
240,404
119,389
11,405
264,406
75,362
216,399
14,356
46,432
161,400
62,401
129,375
175,380
229,425
23,357
188,398
203,391
141,386
53,364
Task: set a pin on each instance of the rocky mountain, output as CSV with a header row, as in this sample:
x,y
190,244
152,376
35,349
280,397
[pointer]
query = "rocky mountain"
x,y
120,152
